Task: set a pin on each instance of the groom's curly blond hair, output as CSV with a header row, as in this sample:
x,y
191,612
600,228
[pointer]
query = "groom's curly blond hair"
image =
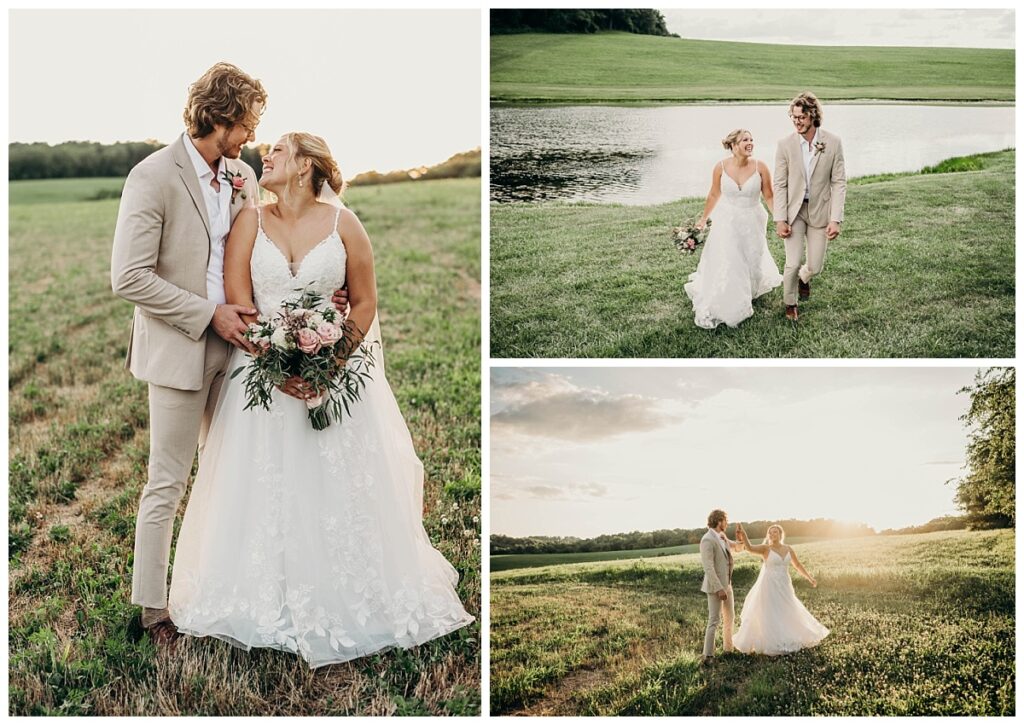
x,y
224,95
715,518
810,105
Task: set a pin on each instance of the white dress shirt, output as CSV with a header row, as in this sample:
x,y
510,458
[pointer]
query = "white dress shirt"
x,y
218,210
808,150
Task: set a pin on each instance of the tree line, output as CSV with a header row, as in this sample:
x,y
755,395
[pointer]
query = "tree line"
x,y
756,530
81,159
630,20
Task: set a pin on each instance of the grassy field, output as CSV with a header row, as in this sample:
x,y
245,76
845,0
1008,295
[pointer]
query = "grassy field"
x,y
924,268
78,452
920,625
626,68
504,562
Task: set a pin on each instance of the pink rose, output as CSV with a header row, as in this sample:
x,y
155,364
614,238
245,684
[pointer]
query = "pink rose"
x,y
263,343
309,341
329,333
237,182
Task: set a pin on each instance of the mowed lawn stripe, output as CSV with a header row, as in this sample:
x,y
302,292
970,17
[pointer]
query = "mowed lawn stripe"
x,y
625,67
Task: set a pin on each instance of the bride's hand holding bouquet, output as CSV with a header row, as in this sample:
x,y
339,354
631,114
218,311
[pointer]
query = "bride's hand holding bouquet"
x,y
307,347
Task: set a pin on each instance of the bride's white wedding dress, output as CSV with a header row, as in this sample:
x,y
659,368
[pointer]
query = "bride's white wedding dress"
x,y
305,541
735,266
773,620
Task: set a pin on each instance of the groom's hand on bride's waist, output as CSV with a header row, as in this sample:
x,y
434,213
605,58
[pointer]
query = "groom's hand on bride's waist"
x,y
340,300
228,323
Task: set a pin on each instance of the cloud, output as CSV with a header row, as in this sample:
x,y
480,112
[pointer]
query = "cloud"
x,y
566,412
566,492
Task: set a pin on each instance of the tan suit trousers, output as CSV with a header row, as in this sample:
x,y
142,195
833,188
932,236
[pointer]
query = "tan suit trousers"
x,y
816,242
178,423
717,611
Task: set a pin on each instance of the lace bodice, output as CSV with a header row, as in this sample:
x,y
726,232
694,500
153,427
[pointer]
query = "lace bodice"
x,y
777,562
322,270
746,194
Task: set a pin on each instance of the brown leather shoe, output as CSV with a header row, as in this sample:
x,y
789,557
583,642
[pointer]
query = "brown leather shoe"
x,y
791,314
805,289
164,634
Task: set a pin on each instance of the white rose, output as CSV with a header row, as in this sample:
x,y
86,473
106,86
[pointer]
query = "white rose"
x,y
280,339
315,320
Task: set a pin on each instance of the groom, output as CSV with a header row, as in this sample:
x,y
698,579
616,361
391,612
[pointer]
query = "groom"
x,y
810,193
716,557
176,209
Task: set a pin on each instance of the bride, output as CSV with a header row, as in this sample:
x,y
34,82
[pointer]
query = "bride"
x,y
773,620
293,539
735,266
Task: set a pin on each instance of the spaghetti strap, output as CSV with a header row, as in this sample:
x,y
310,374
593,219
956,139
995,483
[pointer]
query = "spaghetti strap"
x,y
337,218
259,218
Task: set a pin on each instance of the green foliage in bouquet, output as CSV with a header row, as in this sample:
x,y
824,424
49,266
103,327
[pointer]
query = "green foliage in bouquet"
x,y
309,339
688,237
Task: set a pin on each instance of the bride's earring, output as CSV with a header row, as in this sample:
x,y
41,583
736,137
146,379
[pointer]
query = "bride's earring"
x,y
300,181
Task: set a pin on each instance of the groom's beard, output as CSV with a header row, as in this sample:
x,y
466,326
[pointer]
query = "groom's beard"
x,y
227,151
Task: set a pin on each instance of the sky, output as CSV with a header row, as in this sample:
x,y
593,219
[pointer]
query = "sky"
x,y
387,89
590,451
925,27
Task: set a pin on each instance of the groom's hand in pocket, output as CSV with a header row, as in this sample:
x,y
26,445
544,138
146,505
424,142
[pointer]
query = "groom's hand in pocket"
x,y
783,230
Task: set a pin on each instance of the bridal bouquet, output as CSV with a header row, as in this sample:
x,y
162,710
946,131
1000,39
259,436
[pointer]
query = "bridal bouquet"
x,y
688,237
308,338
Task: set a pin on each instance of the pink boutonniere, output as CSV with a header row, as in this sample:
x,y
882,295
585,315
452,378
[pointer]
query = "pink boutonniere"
x,y
237,182
819,147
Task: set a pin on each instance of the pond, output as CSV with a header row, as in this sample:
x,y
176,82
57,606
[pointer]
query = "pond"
x,y
651,155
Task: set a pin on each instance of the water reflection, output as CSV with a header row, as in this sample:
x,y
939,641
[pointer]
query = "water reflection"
x,y
653,155
578,174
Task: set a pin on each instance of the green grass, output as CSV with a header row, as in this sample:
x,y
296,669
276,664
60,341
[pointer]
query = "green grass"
x,y
60,191
79,444
504,562
920,625
623,67
924,268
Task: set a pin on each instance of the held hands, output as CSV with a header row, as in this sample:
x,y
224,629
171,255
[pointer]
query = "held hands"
x,y
228,323
832,231
722,595
783,230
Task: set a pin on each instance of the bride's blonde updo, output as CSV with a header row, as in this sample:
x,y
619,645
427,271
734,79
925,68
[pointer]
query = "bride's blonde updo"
x,y
729,141
767,534
325,168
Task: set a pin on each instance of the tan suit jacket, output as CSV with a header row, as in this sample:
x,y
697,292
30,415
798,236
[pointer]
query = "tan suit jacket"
x,y
159,261
717,562
827,181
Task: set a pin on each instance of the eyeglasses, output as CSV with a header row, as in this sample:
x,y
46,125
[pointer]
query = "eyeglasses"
x,y
799,119
247,127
